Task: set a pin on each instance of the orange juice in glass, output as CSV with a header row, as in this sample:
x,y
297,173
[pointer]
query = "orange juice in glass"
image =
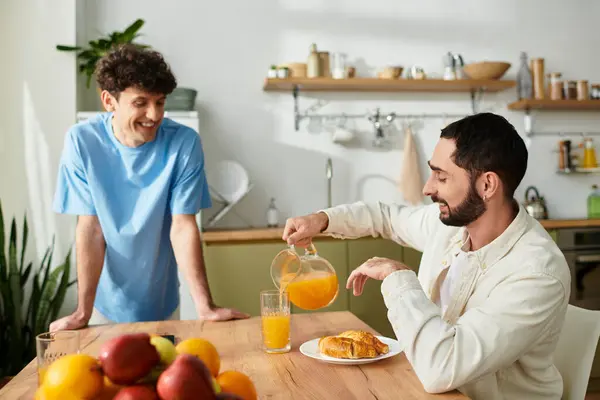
x,y
51,346
275,316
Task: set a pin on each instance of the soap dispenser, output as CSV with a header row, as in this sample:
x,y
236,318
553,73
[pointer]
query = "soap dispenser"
x,y
272,215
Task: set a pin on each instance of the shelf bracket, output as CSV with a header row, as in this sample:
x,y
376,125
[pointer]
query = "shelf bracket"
x,y
296,111
476,96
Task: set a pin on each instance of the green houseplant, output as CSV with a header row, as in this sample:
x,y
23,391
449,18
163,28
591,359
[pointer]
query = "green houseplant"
x,y
21,319
89,56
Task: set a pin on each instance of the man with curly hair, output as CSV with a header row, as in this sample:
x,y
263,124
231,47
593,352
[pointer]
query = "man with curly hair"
x,y
136,181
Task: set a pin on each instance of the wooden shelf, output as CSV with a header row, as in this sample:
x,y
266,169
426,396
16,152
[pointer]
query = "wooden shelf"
x,y
557,105
579,171
385,85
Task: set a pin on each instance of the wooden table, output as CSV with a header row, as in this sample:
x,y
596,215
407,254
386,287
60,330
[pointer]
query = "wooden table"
x,y
276,376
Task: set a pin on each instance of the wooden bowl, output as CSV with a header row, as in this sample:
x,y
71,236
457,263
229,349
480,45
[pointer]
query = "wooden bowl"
x,y
487,70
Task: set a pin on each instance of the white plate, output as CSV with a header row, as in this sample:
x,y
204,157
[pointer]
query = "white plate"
x,y
229,179
311,349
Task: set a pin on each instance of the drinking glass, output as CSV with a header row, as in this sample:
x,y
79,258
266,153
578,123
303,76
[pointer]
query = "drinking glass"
x,y
51,346
275,316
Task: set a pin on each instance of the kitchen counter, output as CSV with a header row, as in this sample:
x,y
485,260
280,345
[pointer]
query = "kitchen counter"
x,y
570,223
216,236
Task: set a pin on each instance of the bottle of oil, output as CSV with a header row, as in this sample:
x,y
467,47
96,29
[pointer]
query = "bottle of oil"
x,y
593,203
589,154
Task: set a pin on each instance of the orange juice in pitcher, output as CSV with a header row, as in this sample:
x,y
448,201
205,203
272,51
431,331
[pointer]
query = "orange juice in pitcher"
x,y
310,280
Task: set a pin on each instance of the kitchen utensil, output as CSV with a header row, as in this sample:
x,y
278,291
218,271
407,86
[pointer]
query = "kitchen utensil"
x,y
459,65
488,70
310,280
535,205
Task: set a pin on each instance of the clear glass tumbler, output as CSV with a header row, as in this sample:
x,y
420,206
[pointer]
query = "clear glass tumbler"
x,y
338,66
275,316
51,346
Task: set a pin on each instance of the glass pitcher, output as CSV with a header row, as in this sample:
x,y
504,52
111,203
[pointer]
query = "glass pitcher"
x,y
310,280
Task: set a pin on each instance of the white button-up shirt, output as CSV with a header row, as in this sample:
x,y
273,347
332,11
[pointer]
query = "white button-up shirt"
x,y
507,305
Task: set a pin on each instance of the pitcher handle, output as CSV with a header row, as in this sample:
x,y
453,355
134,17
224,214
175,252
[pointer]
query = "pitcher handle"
x,y
310,250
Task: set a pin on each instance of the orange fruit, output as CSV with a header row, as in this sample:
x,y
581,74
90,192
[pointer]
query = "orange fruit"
x,y
204,350
237,383
74,375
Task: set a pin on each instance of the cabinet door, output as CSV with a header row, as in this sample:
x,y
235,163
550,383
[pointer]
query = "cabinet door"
x,y
336,252
238,272
369,306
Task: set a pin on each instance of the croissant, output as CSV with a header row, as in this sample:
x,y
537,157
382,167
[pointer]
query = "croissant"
x,y
341,347
367,337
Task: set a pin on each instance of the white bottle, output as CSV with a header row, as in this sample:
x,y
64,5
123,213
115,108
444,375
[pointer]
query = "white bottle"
x,y
272,215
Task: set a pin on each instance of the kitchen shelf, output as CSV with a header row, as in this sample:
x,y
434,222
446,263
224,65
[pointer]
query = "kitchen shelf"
x,y
384,85
556,105
579,171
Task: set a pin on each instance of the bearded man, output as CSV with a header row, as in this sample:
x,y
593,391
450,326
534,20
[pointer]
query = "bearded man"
x,y
485,312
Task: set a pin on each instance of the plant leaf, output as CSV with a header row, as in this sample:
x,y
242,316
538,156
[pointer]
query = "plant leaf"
x,y
131,30
25,275
3,271
23,244
42,319
61,47
59,298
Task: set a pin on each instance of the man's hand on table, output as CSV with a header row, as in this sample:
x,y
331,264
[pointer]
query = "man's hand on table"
x,y
215,313
70,322
300,230
376,268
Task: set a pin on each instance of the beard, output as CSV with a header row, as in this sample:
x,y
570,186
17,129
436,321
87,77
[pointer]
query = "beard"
x,y
471,208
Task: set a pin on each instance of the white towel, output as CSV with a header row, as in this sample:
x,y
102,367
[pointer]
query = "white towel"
x,y
410,182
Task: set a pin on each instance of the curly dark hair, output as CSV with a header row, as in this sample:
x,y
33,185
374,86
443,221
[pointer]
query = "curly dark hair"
x,y
133,66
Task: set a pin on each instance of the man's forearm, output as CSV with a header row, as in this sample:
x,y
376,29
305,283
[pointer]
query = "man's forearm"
x,y
91,248
187,246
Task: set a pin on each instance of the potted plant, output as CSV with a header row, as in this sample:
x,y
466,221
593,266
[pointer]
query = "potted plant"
x,y
89,56
22,319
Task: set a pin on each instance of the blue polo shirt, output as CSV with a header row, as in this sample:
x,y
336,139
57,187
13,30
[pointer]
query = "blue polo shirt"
x,y
134,192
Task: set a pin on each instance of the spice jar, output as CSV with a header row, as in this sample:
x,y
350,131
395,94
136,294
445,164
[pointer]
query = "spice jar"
x,y
582,90
570,90
555,86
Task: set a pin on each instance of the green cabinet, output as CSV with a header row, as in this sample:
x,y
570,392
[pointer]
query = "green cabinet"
x,y
238,272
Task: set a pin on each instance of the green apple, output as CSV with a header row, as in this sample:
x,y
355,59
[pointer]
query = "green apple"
x,y
216,385
166,349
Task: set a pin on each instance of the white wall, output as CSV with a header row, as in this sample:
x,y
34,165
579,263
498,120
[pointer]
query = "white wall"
x,y
223,50
37,106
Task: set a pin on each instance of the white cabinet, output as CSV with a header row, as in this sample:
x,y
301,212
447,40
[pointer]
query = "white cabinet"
x,y
188,118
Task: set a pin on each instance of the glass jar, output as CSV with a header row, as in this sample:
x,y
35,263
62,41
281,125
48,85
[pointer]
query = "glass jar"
x,y
570,90
583,92
556,86
593,203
